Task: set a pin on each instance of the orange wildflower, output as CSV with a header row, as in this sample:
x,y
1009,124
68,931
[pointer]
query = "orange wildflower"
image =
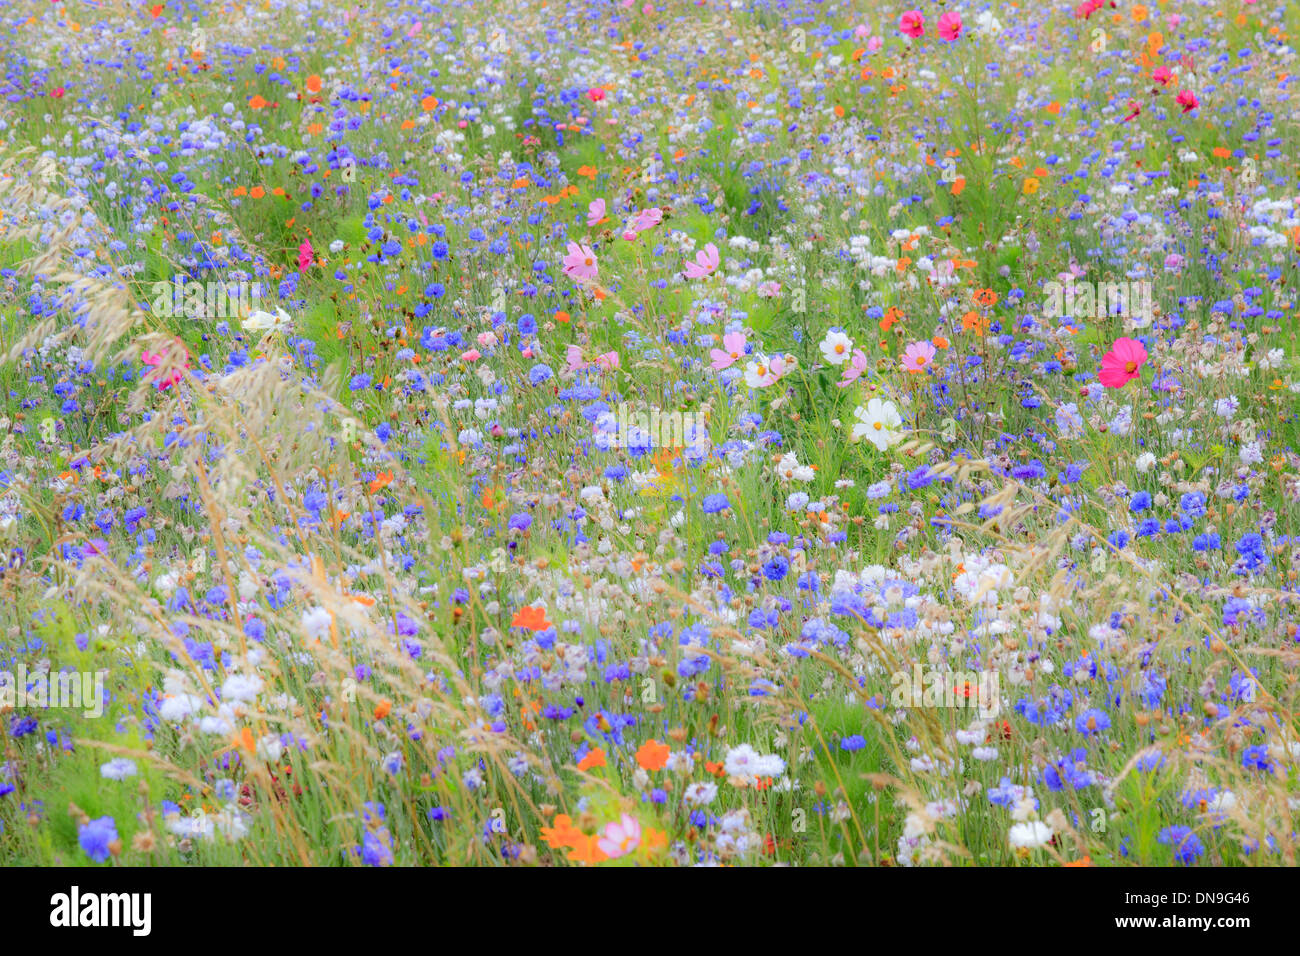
x,y
562,833
586,849
533,618
594,758
652,755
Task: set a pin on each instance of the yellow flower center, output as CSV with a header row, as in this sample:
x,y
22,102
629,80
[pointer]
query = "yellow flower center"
x,y
877,426
1130,367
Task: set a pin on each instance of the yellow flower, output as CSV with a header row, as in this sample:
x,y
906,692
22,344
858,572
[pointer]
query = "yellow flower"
x,y
1031,185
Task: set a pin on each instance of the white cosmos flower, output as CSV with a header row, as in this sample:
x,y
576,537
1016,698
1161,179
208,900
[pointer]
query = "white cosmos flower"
x,y
837,348
260,321
879,423
760,373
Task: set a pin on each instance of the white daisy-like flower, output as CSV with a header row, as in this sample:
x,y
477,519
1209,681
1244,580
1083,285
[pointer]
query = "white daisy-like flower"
x,y
836,348
261,321
879,423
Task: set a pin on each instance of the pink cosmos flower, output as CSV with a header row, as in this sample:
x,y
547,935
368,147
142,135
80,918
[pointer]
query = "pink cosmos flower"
x,y
1121,364
733,349
1187,100
853,371
950,26
874,44
596,212
705,263
595,94
1074,273
606,361
305,255
918,356
473,355
620,838
648,219
154,359
580,263
1163,75
573,356
912,23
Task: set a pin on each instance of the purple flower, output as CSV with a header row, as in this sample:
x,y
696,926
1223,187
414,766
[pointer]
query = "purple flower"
x,y
96,836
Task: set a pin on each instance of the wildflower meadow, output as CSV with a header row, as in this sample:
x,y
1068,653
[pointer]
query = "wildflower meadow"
x,y
674,433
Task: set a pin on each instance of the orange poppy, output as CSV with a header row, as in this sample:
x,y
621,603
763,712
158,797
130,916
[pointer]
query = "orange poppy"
x,y
586,849
652,755
562,833
594,758
533,618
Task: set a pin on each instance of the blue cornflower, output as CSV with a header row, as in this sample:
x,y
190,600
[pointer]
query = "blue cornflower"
x,y
776,569
1092,721
96,836
715,503
1187,846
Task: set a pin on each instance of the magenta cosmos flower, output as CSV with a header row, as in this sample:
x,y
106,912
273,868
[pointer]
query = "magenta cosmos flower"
x,y
918,356
950,26
912,23
580,263
163,382
1121,364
